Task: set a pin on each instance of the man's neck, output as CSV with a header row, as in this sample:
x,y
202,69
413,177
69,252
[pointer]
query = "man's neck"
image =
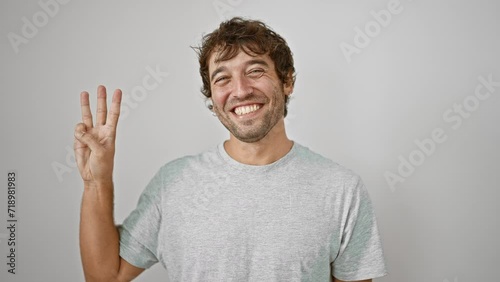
x,y
269,149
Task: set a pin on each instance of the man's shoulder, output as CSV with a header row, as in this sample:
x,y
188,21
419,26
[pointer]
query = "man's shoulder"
x,y
318,163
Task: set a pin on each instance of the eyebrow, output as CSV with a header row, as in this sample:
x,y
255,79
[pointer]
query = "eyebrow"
x,y
216,71
248,63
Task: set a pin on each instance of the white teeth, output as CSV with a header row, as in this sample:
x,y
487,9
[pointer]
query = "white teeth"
x,y
246,109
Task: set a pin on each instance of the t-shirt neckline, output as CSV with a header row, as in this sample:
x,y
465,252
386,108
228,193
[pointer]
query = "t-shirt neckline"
x,y
257,168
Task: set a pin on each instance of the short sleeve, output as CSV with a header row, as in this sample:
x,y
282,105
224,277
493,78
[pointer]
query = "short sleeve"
x,y
139,231
360,256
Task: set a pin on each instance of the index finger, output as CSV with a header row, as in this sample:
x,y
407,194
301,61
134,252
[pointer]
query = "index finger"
x,y
85,107
114,109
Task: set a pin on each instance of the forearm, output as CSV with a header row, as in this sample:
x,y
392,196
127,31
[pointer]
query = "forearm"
x,y
99,237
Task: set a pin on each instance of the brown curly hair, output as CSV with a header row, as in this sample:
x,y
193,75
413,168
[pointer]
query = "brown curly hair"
x,y
251,36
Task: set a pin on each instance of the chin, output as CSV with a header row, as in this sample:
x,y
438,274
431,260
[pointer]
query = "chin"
x,y
250,137
247,139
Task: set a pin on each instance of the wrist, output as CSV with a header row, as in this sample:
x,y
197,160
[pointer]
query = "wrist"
x,y
98,184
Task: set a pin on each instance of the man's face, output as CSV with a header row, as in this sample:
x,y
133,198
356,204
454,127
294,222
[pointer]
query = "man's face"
x,y
248,97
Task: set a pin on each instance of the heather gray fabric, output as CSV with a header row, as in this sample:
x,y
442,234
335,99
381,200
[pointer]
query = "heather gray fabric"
x,y
210,218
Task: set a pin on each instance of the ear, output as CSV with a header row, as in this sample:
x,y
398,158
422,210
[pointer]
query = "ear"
x,y
288,87
209,104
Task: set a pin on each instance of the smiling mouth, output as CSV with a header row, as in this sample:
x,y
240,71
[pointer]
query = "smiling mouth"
x,y
243,110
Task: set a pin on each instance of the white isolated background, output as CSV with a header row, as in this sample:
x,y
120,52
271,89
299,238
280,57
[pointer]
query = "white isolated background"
x,y
440,224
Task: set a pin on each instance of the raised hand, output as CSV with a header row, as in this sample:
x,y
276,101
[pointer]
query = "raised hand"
x,y
95,143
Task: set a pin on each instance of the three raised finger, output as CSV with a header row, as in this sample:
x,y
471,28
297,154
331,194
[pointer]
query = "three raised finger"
x,y
85,107
102,108
114,110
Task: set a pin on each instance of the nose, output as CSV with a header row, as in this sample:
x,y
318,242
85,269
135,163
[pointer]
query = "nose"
x,y
242,87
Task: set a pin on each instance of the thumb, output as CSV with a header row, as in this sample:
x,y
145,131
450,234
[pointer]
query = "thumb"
x,y
87,139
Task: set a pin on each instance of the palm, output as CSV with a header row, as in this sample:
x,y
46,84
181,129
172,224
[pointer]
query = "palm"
x,y
95,151
91,169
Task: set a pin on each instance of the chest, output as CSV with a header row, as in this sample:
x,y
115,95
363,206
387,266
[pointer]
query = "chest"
x,y
239,229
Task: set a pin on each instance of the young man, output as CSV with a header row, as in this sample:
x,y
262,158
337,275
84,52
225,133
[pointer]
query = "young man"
x,y
258,207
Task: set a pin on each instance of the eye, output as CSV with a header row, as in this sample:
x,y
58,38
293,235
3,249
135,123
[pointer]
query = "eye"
x,y
255,73
220,79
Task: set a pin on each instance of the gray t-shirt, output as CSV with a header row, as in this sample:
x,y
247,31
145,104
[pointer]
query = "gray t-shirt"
x,y
210,218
